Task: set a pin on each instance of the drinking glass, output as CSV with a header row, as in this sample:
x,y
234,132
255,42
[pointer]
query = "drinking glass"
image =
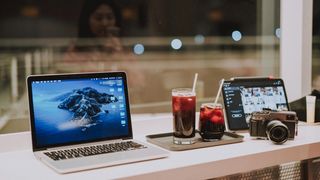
x,y
184,112
211,123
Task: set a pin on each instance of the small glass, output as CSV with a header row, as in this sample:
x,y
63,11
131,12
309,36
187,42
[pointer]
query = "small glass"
x,y
184,115
211,123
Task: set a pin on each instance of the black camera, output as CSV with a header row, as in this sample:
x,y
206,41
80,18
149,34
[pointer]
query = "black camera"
x,y
278,126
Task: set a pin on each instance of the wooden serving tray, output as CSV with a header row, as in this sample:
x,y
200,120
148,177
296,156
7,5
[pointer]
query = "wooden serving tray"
x,y
165,140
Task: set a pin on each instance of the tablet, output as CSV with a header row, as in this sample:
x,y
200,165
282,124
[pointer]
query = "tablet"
x,y
242,96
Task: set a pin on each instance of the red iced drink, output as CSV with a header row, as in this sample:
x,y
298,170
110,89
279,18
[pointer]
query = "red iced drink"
x,y
183,108
211,124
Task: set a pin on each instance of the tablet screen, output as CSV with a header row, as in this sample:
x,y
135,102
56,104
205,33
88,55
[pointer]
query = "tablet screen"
x,y
244,96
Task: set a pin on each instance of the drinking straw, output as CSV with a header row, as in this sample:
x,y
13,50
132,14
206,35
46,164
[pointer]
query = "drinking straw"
x,y
195,82
219,91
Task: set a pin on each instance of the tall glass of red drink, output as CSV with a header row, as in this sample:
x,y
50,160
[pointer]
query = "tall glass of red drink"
x,y
184,112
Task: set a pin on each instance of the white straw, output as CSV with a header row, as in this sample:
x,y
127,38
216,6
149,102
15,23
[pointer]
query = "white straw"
x,y
219,91
195,82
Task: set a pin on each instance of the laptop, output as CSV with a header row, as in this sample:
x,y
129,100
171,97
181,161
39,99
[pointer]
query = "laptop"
x,y
242,96
82,121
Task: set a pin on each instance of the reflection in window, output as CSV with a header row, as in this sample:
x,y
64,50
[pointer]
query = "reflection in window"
x,y
161,44
316,45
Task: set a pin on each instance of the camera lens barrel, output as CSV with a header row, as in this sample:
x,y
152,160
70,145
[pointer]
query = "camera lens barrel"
x,y
277,132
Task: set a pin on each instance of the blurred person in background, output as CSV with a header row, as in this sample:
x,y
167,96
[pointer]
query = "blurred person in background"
x,y
98,46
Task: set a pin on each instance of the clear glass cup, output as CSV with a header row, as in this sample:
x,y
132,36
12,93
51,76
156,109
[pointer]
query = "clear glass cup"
x,y
211,123
184,115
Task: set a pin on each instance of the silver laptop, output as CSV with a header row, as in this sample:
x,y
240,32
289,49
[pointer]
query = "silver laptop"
x,y
82,121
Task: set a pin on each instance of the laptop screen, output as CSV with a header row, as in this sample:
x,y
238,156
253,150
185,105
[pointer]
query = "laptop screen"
x,y
244,96
71,109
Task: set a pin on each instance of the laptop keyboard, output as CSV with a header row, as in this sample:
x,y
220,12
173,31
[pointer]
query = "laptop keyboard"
x,y
93,150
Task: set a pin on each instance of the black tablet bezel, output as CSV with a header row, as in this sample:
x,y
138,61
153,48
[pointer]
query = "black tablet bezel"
x,y
267,80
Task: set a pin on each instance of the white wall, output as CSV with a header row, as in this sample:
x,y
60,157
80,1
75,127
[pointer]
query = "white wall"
x,y
296,47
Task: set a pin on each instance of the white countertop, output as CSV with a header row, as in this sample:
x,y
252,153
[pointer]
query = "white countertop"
x,y
17,160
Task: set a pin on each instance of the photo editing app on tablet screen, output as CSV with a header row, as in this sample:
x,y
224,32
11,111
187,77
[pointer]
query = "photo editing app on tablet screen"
x,y
242,97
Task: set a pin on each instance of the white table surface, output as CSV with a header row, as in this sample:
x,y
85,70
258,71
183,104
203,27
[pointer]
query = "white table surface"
x,y
17,160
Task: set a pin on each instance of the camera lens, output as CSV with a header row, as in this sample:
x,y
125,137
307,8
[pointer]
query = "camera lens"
x,y
277,132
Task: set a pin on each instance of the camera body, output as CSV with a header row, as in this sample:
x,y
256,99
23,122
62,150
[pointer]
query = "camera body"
x,y
278,126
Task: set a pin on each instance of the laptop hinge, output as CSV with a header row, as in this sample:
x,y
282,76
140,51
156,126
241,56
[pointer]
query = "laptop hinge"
x,y
40,149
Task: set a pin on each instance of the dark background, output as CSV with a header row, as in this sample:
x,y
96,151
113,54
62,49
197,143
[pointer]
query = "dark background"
x,y
59,18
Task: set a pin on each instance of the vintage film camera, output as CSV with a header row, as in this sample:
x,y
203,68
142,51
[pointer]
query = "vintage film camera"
x,y
278,126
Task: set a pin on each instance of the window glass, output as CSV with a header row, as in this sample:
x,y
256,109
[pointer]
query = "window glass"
x,y
316,45
161,44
